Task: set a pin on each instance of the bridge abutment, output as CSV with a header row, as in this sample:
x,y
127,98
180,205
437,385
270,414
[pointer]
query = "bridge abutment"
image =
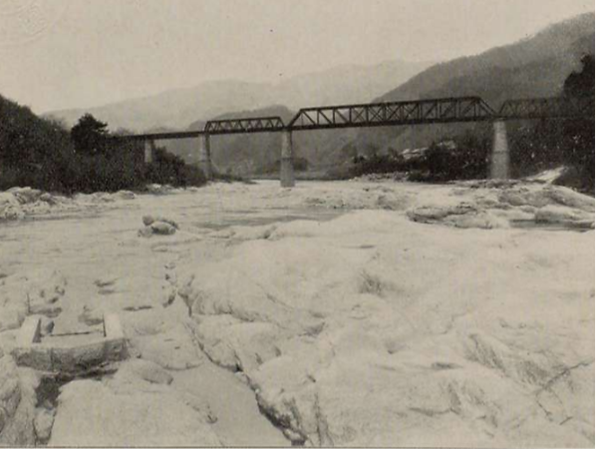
x,y
205,156
500,154
287,160
149,154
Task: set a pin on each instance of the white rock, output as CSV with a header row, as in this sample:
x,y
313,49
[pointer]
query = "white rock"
x,y
564,215
44,419
124,194
148,220
10,208
162,228
26,195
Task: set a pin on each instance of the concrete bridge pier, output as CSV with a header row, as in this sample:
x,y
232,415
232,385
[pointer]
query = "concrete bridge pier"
x,y
149,154
205,156
500,155
286,160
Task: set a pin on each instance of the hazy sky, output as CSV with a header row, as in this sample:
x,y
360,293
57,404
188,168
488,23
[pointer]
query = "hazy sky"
x,y
79,53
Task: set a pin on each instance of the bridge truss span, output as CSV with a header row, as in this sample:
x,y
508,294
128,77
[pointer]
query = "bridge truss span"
x,y
458,109
244,125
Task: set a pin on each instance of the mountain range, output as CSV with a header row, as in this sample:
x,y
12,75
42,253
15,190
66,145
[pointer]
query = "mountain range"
x,y
533,67
179,108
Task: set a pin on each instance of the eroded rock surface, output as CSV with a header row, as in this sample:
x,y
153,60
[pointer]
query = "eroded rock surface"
x,y
492,207
353,329
426,337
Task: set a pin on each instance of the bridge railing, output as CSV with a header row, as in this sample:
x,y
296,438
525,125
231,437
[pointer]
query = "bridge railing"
x,y
461,109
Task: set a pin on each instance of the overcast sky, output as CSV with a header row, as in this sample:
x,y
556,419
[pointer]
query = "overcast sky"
x,y
58,54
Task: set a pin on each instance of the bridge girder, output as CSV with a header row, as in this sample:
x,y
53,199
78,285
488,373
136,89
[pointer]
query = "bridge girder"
x,y
244,125
460,109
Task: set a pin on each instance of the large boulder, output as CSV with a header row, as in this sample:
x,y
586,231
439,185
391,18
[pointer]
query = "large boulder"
x,y
157,225
124,195
157,189
26,195
547,195
162,228
567,216
44,420
463,215
10,208
570,198
148,220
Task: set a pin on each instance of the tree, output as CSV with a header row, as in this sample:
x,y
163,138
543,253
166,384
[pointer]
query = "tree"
x,y
580,133
582,84
89,135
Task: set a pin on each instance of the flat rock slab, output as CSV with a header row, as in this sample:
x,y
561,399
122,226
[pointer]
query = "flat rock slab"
x,y
69,354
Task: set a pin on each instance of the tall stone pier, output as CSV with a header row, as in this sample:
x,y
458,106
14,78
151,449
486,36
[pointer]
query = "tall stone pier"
x,y
286,160
149,154
500,155
205,156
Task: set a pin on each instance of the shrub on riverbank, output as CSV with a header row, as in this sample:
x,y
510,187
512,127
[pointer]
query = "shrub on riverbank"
x,y
462,158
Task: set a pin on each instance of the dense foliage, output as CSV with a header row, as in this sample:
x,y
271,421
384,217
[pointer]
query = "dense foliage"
x,y
545,144
580,135
464,157
90,136
41,153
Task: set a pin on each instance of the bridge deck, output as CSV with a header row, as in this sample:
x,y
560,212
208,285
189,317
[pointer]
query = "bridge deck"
x,y
160,136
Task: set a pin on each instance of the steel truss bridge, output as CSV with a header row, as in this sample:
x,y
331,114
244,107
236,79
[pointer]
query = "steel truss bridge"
x,y
427,111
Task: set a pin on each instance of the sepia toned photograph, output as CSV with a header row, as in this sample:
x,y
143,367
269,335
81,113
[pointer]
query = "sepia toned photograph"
x,y
297,223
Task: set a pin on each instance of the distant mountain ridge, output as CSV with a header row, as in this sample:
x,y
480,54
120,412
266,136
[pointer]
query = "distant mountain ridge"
x,y
533,67
180,107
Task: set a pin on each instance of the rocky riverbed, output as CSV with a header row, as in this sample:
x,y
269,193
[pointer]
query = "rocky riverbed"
x,y
339,313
